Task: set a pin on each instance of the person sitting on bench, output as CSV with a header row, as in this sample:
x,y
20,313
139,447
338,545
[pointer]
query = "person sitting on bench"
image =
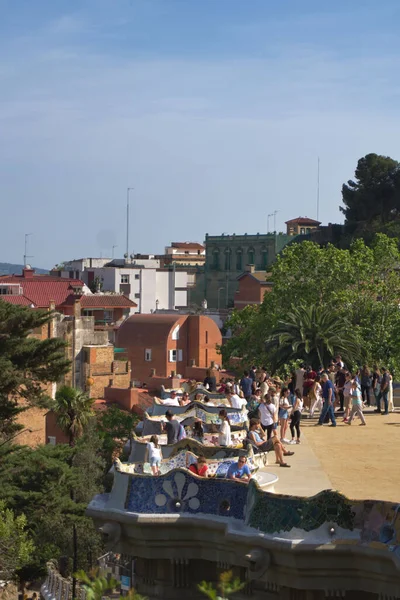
x,y
258,439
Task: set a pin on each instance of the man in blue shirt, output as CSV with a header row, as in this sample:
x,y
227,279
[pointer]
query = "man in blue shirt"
x,y
239,470
246,384
328,393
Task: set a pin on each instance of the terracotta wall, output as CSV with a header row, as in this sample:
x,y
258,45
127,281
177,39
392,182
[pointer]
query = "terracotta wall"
x,y
250,292
134,400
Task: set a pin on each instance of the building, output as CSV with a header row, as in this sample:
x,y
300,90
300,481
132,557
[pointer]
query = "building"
x,y
140,278
227,257
40,291
162,344
189,254
301,226
253,285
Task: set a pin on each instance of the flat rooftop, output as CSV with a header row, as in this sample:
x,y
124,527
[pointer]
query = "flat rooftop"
x,y
359,462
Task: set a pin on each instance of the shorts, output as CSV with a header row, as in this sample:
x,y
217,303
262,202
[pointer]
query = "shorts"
x,y
347,401
155,462
283,414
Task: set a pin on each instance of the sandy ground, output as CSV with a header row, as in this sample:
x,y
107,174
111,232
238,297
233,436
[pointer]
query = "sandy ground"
x,y
361,462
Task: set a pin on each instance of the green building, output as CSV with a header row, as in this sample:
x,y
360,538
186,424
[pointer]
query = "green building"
x,y
227,257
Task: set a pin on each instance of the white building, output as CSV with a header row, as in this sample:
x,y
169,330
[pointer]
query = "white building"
x,y
141,279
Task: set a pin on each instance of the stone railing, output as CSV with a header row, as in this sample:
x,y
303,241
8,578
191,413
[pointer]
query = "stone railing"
x,y
56,587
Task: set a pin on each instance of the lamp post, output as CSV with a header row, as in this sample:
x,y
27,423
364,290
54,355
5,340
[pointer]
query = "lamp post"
x,y
129,189
219,290
268,217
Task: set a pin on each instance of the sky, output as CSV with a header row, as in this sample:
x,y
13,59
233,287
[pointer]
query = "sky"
x,y
214,111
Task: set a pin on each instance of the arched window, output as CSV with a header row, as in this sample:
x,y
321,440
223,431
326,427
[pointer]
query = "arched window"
x,y
250,256
215,264
264,255
239,260
228,254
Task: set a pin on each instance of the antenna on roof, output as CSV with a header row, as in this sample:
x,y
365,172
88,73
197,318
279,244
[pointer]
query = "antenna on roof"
x,y
129,189
318,190
26,256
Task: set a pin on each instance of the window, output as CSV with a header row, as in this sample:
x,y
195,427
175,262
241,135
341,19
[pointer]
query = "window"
x,y
198,251
175,356
87,312
215,260
52,440
124,278
147,355
250,256
265,258
302,231
4,290
239,256
227,260
206,337
137,295
186,251
137,276
175,333
71,274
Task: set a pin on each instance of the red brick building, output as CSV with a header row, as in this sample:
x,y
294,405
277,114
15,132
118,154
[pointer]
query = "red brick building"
x,y
253,286
159,344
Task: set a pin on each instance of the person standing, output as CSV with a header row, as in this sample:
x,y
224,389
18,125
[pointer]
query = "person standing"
x,y
300,378
347,396
390,395
172,427
263,381
153,452
328,394
356,401
246,385
210,382
340,381
366,382
376,383
316,397
224,438
284,406
267,414
384,393
295,418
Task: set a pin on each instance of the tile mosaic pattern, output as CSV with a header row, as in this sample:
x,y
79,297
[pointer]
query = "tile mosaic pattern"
x,y
376,522
158,408
182,492
152,424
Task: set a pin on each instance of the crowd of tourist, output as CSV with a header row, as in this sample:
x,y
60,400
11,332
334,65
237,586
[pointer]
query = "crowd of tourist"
x,y
274,408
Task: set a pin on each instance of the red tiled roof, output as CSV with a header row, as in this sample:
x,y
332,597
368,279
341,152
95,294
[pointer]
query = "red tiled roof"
x,y
303,221
42,289
188,245
102,301
15,299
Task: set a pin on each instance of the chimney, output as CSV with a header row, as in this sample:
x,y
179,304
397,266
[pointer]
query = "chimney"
x,y
27,272
249,268
77,308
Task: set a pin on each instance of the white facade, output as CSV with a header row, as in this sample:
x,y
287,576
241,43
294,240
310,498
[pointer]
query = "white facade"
x,y
151,288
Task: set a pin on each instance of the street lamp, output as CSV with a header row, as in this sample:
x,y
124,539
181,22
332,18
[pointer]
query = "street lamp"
x,y
129,189
219,290
270,215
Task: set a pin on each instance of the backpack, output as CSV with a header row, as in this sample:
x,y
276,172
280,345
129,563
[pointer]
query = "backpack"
x,y
182,433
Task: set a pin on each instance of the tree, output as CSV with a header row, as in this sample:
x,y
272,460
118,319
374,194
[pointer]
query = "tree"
x,y
359,285
315,334
26,363
16,547
73,410
375,193
115,426
38,483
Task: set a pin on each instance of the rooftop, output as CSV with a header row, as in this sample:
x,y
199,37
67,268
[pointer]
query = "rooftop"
x,y
303,221
188,245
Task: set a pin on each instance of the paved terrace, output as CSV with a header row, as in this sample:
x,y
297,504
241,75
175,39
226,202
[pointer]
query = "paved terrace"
x,y
359,462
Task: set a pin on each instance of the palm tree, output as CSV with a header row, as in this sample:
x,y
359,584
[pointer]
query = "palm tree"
x,y
315,334
73,411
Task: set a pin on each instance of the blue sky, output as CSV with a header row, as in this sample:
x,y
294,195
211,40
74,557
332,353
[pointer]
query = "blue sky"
x,y
214,110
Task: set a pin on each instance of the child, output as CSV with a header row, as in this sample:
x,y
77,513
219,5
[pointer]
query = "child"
x,y
356,403
154,454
